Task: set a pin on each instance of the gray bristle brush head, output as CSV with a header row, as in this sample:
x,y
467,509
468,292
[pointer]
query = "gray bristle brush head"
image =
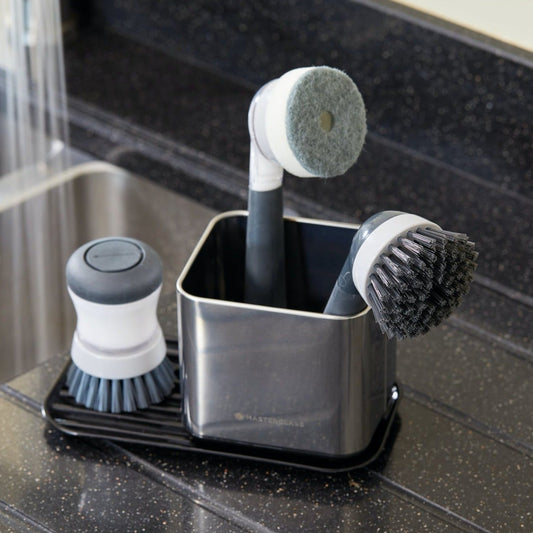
x,y
119,360
315,121
121,395
411,272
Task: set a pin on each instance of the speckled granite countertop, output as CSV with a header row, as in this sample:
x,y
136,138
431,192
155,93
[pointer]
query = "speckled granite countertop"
x,y
461,454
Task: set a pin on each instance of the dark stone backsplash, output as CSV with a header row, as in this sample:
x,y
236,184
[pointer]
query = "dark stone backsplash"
x,y
448,100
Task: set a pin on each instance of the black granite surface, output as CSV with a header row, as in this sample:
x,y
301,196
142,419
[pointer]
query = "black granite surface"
x,y
54,483
450,465
163,90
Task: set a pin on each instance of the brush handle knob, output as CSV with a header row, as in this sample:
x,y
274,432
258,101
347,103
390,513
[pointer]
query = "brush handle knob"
x,y
114,284
114,270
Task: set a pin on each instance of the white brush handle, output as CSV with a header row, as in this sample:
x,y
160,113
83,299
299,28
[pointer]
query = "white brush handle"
x,y
266,173
117,341
275,118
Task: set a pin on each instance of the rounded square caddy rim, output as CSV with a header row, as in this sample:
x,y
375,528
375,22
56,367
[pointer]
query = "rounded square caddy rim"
x,y
212,301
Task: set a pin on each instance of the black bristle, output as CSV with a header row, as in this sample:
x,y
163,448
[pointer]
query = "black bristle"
x,y
121,395
420,280
386,280
394,272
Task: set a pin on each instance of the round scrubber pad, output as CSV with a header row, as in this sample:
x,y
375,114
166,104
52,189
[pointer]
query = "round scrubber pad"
x,y
325,121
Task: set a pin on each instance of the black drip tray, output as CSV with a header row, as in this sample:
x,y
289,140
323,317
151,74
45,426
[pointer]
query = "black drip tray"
x,y
161,425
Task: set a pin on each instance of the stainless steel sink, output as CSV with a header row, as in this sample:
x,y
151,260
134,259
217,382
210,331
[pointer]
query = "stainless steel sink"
x,y
40,231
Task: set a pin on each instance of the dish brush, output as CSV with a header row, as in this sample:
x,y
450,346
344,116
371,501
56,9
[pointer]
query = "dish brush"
x,y
311,122
410,271
118,351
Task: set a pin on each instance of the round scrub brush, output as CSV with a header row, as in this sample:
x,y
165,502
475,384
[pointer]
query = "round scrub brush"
x,y
118,352
311,122
410,271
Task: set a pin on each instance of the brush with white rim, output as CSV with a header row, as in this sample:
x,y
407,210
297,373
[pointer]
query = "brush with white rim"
x,y
118,352
311,122
410,271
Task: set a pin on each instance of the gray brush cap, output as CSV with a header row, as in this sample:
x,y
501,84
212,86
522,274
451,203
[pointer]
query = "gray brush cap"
x,y
115,270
